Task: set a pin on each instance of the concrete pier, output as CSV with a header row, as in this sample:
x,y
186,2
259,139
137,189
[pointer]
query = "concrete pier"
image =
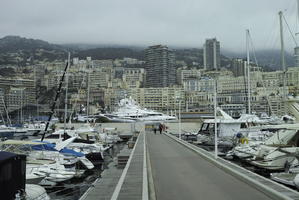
x,y
179,173
128,183
161,166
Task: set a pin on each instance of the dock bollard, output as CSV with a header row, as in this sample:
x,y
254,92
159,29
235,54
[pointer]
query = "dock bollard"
x,y
135,135
131,144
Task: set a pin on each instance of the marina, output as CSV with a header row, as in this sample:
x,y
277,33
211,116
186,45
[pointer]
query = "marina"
x,y
194,172
122,121
155,156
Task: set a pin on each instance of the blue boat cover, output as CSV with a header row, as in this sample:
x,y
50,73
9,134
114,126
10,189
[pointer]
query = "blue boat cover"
x,y
51,147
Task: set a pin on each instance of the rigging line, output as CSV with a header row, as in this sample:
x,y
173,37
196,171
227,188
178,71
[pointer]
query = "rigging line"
x,y
56,99
259,74
77,97
271,40
253,49
290,30
271,35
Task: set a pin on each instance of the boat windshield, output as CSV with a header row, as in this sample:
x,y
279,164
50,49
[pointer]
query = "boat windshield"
x,y
204,127
283,137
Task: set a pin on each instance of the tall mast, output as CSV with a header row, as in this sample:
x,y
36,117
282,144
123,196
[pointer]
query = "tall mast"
x,y
66,90
55,101
296,49
8,118
283,60
88,91
248,72
297,17
36,99
215,118
21,113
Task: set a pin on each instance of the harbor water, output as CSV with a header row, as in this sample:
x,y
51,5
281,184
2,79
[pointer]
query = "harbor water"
x,y
76,187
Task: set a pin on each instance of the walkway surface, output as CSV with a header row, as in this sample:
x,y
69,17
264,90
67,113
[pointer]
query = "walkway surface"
x,y
121,184
179,173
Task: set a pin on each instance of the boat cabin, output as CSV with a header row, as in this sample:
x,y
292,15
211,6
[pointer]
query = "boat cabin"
x,y
225,128
12,174
284,138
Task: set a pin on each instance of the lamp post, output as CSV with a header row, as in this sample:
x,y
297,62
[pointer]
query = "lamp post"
x,y
180,125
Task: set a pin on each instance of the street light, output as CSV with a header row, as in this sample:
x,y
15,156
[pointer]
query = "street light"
x,y
178,99
180,125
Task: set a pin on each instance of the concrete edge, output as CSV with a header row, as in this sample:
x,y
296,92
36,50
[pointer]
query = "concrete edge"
x,y
256,184
91,187
151,185
144,172
124,173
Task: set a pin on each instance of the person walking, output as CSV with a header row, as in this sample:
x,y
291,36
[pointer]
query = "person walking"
x,y
155,130
160,128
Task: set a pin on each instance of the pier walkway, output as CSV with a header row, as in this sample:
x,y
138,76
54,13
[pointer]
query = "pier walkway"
x,y
163,167
180,173
129,183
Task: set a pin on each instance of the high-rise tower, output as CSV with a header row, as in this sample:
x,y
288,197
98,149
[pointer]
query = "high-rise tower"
x,y
211,54
160,69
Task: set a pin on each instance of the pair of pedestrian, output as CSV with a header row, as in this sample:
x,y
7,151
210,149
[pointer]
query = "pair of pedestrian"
x,y
161,128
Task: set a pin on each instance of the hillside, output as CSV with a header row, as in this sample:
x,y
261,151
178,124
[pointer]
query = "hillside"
x,y
17,50
269,58
110,53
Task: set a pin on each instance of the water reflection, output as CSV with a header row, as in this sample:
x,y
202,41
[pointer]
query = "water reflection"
x,y
76,187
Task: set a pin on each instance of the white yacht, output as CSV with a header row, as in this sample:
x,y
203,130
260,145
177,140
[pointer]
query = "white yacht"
x,y
279,150
130,111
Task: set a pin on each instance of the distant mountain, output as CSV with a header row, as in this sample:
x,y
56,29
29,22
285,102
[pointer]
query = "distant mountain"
x,y
266,58
15,43
196,55
17,50
110,53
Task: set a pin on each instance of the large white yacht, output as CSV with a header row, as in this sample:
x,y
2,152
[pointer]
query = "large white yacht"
x,y
130,111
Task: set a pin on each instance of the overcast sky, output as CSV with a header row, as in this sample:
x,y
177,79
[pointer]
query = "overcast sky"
x,y
185,23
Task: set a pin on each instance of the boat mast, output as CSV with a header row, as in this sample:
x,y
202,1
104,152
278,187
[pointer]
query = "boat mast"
x,y
2,118
36,99
283,60
8,118
88,91
65,99
55,101
22,89
248,72
296,49
215,118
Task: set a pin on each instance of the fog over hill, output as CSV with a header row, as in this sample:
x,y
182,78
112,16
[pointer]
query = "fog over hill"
x,y
16,50
268,57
